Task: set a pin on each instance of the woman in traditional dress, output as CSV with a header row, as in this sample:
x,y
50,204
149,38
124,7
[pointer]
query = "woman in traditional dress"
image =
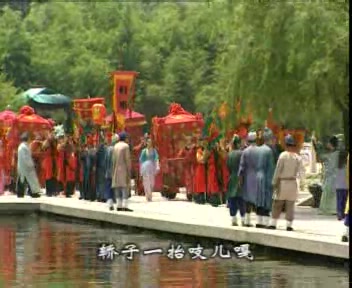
x,y
149,166
200,186
330,160
137,150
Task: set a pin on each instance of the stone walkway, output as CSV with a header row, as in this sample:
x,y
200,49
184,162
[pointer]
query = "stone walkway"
x,y
313,233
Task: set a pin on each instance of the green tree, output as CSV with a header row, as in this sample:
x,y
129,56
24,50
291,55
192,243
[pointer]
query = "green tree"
x,y
8,94
292,57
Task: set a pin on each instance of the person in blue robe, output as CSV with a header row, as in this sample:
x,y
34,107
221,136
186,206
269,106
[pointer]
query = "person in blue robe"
x,y
264,176
247,176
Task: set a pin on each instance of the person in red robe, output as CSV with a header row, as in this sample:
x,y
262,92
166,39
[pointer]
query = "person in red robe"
x,y
60,159
200,185
223,152
70,167
81,148
188,152
213,185
49,164
11,138
7,161
14,157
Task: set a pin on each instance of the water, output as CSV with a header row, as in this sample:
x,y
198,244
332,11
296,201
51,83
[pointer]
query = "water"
x,y
36,251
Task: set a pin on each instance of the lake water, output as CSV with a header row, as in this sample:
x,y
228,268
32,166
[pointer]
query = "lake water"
x,y
37,251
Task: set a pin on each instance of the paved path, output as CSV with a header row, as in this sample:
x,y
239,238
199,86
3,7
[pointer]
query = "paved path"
x,y
313,233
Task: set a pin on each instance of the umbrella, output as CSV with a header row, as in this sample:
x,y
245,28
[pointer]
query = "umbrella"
x,y
46,98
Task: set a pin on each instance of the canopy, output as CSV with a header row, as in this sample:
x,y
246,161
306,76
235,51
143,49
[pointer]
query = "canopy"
x,y
28,120
170,132
44,98
178,115
130,116
7,117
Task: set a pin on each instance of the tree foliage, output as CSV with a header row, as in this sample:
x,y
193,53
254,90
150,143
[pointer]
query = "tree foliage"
x,y
292,57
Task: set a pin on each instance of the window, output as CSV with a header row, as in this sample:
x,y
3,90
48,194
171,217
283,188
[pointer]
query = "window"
x,y
123,90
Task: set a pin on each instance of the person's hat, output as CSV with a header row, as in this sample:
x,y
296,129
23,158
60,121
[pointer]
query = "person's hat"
x,y
252,137
122,136
289,140
268,134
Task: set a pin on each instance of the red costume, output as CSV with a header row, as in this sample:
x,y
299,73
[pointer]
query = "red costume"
x,y
2,169
48,164
225,172
189,166
199,177
213,184
71,168
7,160
60,164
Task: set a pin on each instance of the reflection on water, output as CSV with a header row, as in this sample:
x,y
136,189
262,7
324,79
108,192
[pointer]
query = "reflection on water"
x,y
42,252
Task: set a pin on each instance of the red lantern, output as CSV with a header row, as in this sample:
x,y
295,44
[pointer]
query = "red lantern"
x,y
98,114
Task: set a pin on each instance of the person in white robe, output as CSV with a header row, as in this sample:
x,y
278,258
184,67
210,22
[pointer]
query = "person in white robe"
x,y
149,166
289,169
26,170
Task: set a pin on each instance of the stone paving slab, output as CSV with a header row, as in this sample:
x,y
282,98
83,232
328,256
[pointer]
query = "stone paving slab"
x,y
314,233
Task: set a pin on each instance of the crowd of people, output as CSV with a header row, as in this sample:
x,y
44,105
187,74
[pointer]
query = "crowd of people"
x,y
254,175
253,182
260,183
